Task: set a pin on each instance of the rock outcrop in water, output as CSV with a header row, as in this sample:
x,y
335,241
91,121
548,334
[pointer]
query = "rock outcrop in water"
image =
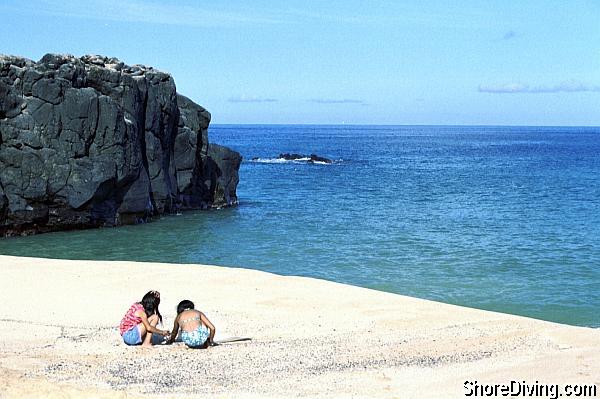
x,y
300,157
92,141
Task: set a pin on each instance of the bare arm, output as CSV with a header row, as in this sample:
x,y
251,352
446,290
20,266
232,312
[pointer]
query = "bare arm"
x,y
210,326
149,328
174,331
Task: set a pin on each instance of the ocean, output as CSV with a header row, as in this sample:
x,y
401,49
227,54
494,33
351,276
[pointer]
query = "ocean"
x,y
498,218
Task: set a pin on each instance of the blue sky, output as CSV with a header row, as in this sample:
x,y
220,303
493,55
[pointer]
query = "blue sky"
x,y
359,62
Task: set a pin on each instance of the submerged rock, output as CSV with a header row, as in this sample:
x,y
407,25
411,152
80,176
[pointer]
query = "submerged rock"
x,y
91,141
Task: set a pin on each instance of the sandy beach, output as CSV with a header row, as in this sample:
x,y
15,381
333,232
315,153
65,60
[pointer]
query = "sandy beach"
x,y
310,338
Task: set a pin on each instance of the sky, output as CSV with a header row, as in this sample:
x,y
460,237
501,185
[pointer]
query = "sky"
x,y
425,62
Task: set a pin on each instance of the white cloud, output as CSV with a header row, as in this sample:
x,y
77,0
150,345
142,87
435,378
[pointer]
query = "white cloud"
x,y
211,14
151,12
569,86
336,101
246,99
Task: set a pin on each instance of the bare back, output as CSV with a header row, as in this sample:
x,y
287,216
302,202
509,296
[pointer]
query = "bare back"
x,y
189,320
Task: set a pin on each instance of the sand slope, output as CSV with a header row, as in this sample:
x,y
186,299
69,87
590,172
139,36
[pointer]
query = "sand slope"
x,y
312,338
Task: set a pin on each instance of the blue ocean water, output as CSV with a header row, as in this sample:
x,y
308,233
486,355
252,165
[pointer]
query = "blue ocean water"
x,y
498,218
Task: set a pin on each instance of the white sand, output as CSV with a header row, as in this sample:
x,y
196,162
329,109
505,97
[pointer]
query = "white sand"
x,y
312,338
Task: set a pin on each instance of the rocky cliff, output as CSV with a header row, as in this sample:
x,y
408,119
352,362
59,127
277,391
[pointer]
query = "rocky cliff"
x,y
92,141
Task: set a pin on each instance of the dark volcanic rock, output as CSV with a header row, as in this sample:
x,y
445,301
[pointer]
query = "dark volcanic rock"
x,y
91,141
308,158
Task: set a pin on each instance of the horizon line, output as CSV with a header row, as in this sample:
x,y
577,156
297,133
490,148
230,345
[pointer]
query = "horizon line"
x,y
396,124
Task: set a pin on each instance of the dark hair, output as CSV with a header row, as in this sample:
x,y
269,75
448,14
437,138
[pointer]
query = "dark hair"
x,y
185,305
150,302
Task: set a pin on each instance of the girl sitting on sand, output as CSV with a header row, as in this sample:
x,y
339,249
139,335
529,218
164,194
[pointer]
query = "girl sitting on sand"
x,y
196,330
141,319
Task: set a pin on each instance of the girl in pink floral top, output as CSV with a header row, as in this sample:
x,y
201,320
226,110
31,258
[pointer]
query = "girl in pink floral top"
x,y
141,319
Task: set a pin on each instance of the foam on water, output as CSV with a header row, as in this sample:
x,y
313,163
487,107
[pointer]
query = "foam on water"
x,y
301,161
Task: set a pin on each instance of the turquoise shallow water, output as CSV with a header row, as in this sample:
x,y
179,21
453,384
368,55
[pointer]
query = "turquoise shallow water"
x,y
499,218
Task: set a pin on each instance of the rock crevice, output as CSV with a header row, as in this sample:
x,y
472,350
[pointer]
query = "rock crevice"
x,y
91,141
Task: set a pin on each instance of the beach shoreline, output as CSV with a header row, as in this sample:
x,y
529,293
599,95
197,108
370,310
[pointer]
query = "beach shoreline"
x,y
310,337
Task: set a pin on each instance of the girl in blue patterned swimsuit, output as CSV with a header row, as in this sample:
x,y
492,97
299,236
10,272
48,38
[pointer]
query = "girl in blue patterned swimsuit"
x,y
196,330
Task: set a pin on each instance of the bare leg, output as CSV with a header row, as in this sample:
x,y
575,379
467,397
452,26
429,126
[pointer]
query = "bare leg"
x,y
147,336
